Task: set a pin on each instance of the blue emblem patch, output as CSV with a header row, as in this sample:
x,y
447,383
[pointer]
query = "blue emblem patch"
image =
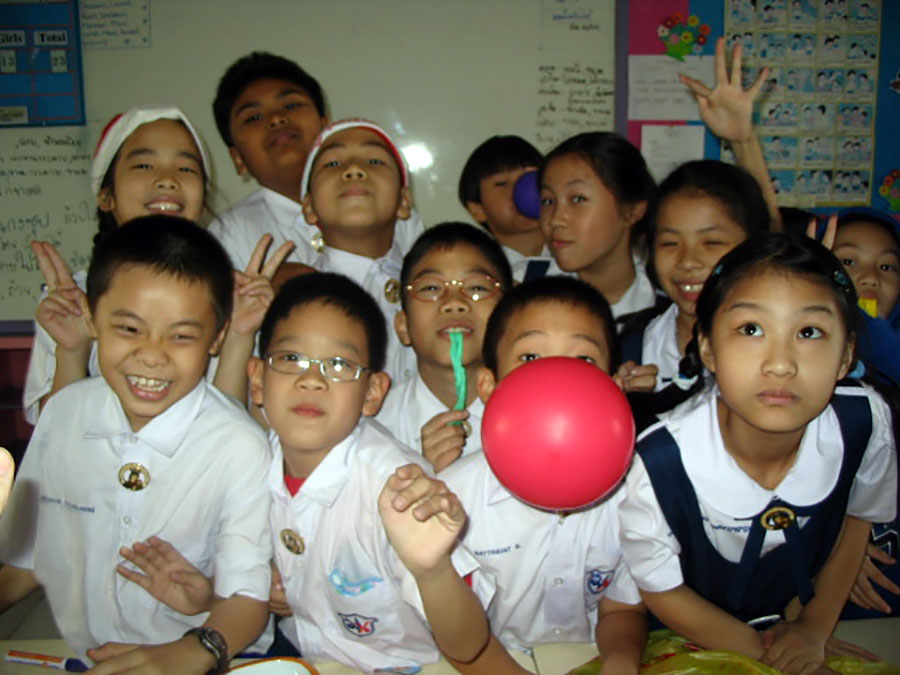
x,y
358,625
344,586
597,581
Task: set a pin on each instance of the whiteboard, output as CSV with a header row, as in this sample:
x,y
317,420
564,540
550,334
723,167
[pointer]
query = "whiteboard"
x,y
440,75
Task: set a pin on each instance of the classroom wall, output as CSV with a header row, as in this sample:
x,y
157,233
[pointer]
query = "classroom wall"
x,y
440,76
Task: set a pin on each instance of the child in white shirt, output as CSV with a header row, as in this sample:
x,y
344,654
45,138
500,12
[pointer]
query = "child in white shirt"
x,y
451,280
149,449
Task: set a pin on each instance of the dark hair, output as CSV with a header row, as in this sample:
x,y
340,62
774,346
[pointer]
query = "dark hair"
x,y
872,216
496,154
170,246
446,236
106,221
619,166
252,68
550,289
784,253
796,220
338,291
734,189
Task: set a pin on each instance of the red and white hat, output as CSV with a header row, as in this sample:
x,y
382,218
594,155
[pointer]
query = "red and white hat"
x,y
351,123
120,127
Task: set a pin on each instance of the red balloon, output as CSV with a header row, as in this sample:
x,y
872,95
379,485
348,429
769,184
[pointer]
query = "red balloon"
x,y
558,433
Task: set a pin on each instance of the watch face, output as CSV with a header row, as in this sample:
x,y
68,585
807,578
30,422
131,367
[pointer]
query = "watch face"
x,y
281,665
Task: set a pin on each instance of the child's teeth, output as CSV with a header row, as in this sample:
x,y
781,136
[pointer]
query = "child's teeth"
x,y
148,383
456,329
165,206
692,288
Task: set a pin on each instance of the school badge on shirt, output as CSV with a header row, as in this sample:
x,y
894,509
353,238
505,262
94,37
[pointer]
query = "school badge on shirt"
x,y
357,624
597,581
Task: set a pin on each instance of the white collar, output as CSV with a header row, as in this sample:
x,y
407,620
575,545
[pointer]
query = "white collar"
x,y
326,481
722,484
418,394
639,295
164,433
284,209
354,265
660,344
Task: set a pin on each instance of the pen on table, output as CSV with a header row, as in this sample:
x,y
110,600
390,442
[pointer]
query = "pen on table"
x,y
58,662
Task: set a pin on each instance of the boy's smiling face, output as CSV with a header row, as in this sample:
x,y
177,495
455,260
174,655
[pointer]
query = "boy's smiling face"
x,y
155,333
543,329
310,413
355,183
427,325
273,125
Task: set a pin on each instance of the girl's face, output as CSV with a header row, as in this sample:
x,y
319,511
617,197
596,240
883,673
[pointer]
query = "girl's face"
x,y
778,345
581,220
870,256
693,232
158,169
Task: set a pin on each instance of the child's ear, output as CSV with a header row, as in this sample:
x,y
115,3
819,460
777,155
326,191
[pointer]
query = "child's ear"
x,y
105,199
476,210
401,327
89,320
309,212
220,338
706,353
847,359
485,383
256,368
237,160
404,208
635,212
379,384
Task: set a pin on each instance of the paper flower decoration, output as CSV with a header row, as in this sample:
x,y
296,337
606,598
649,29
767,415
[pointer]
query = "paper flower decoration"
x,y
682,35
890,189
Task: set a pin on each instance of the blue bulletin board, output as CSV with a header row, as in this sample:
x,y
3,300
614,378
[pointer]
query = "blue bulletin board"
x,y
40,64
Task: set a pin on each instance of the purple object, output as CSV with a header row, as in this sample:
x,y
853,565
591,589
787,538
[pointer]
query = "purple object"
x,y
527,196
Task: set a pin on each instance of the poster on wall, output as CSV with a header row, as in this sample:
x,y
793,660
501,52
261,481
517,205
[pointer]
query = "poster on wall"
x,y
40,64
816,116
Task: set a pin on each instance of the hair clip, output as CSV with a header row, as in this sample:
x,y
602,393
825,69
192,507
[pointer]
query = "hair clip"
x,y
717,270
841,280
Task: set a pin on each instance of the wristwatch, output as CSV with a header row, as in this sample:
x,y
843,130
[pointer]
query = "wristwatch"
x,y
215,644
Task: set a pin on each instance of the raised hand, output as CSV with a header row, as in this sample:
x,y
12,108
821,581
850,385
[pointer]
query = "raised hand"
x,y
727,109
62,312
168,576
253,291
422,518
278,603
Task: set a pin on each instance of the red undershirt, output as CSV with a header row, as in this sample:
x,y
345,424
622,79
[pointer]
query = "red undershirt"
x,y
293,484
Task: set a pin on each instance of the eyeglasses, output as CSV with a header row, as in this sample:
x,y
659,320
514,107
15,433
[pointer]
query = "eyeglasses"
x,y
474,286
334,368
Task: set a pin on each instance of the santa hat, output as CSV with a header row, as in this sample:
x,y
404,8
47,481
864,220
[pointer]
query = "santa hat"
x,y
120,127
351,123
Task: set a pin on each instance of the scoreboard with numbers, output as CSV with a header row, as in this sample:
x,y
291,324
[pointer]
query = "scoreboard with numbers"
x,y
40,63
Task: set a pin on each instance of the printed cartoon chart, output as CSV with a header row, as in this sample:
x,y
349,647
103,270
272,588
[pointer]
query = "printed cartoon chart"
x,y
816,116
40,63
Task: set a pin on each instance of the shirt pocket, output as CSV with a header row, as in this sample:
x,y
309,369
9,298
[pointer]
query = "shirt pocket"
x,y
364,597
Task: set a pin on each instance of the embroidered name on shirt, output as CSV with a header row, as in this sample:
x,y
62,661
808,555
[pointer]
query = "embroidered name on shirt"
x,y
497,551
357,624
77,507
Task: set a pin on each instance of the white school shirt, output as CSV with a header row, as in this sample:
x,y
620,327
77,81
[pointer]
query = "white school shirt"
x,y
519,263
550,571
640,295
268,212
729,498
660,346
69,514
410,405
375,275
352,598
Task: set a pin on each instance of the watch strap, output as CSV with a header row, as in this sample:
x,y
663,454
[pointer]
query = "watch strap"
x,y
213,642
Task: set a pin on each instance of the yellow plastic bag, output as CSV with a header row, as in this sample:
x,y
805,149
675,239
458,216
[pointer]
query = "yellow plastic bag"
x,y
669,653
